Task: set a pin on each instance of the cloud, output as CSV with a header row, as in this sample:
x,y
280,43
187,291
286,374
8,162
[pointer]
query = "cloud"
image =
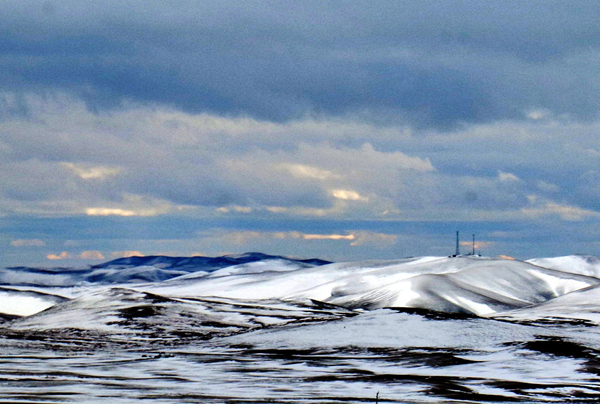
x,y
369,238
538,114
170,164
27,243
85,255
547,187
242,237
122,212
235,208
565,212
326,236
507,177
91,172
91,255
355,237
304,171
478,244
126,254
135,205
62,256
348,195
430,65
421,112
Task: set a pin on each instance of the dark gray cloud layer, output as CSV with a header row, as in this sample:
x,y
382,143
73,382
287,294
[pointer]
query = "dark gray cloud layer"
x,y
427,63
381,127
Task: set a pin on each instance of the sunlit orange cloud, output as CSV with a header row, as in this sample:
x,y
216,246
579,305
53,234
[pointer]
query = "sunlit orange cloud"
x,y
127,254
506,257
91,255
62,256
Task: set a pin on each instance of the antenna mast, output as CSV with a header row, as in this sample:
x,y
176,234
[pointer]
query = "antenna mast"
x,y
457,245
473,244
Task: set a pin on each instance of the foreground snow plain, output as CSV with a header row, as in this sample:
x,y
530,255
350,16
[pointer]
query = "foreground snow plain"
x,y
270,329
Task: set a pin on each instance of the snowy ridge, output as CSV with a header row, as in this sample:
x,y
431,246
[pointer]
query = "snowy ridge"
x,y
472,285
137,269
578,264
124,315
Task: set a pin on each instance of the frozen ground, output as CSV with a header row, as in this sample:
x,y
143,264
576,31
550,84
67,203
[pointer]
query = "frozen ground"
x,y
272,330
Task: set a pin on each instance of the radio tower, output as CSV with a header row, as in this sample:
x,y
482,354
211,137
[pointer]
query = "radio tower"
x,y
457,246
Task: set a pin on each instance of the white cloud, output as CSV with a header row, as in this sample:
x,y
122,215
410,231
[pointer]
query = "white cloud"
x,y
111,212
27,243
134,205
348,195
304,171
91,172
547,187
565,212
327,236
123,212
355,237
276,209
370,238
507,177
235,208
141,161
537,114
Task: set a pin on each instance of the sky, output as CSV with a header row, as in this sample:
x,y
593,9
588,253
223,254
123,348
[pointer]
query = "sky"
x,y
344,130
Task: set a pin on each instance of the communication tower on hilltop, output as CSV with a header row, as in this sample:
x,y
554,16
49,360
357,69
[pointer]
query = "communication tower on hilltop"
x,y
457,245
457,252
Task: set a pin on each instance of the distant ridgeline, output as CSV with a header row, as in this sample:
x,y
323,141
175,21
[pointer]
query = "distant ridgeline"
x,y
200,262
153,268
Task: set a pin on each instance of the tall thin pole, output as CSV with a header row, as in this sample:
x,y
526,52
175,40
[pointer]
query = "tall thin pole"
x,y
473,244
457,245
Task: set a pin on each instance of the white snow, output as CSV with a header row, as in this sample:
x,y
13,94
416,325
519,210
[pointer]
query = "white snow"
x,y
22,305
471,284
462,284
267,341
577,264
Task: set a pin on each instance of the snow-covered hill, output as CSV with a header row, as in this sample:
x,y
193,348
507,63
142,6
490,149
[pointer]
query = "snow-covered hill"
x,y
418,330
577,264
469,285
138,269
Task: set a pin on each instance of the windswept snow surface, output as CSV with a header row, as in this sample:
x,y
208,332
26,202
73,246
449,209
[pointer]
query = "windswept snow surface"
x,y
255,328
